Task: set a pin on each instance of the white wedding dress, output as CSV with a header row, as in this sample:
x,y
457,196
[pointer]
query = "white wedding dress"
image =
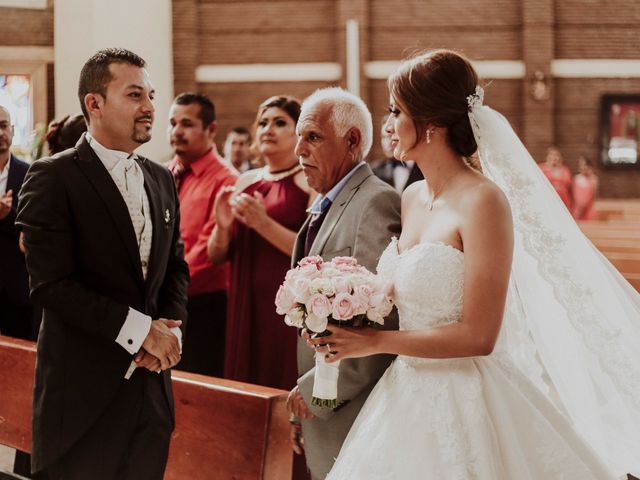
x,y
475,418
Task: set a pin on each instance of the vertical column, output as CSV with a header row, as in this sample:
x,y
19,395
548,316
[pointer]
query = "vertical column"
x,y
538,50
143,26
185,45
357,10
353,56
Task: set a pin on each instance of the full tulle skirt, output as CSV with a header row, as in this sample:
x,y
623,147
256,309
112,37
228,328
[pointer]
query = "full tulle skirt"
x,y
472,418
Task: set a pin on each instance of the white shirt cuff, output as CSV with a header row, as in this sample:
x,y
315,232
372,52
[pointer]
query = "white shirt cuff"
x,y
134,330
178,333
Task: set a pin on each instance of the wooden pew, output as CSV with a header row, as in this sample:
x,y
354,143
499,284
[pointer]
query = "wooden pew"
x,y
619,241
224,429
609,209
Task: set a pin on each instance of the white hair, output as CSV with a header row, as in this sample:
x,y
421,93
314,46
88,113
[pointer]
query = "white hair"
x,y
348,111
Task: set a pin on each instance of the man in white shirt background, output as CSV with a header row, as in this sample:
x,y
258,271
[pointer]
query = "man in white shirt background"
x,y
394,172
103,250
237,149
16,315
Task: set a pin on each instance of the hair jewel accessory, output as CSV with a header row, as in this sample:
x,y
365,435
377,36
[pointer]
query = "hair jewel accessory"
x,y
476,98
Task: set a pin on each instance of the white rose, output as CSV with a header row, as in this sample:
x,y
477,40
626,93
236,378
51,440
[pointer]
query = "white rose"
x,y
323,286
295,317
329,271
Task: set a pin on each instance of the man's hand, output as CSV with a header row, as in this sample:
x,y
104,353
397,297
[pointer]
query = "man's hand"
x,y
145,360
295,436
162,343
6,201
296,405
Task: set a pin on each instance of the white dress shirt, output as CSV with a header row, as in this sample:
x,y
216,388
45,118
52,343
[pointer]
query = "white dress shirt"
x,y
401,175
137,325
4,177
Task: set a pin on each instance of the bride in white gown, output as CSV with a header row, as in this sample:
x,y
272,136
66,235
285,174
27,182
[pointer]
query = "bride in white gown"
x,y
518,343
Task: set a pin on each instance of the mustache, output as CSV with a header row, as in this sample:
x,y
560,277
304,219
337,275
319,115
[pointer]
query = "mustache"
x,y
144,118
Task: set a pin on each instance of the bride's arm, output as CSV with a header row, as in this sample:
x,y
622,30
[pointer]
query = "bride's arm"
x,y
487,235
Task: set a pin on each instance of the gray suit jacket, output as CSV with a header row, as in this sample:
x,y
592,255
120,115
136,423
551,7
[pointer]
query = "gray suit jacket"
x,y
360,223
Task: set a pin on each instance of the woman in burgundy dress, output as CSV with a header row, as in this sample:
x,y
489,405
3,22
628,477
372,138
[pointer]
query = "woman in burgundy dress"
x,y
257,223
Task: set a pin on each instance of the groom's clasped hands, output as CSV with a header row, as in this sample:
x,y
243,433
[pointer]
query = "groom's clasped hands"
x,y
161,348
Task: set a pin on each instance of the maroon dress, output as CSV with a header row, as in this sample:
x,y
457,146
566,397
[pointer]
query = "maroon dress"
x,y
260,348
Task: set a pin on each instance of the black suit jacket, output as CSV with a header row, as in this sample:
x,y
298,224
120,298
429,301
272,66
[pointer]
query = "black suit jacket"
x,y
384,171
13,273
85,270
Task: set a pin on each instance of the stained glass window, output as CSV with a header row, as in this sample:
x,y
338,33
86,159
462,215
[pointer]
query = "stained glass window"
x,y
15,95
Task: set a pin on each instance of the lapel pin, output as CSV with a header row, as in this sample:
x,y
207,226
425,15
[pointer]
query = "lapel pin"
x,y
167,216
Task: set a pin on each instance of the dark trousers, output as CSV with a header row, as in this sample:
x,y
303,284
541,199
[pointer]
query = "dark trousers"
x,y
129,441
204,340
16,319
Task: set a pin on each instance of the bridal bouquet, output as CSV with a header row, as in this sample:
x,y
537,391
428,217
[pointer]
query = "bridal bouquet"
x,y
340,291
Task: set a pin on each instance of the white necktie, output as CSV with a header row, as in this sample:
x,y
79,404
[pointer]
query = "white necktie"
x,y
130,181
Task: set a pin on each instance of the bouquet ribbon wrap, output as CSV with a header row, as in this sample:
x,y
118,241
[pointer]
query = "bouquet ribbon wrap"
x,y
325,383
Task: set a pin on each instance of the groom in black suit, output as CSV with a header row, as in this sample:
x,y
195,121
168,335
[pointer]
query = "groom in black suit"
x,y
105,259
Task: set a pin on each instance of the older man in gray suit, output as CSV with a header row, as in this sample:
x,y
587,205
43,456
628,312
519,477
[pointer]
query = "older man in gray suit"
x,y
356,214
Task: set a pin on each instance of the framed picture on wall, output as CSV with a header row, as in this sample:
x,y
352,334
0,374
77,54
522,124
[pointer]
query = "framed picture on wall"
x,y
620,130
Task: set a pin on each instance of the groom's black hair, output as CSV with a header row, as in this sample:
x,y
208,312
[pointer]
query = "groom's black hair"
x,y
95,74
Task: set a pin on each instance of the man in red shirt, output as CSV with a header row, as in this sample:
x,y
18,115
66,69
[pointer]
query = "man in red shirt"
x,y
200,172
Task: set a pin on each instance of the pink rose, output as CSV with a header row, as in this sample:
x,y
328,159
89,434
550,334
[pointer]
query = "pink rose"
x,y
300,289
341,284
346,264
344,261
319,305
344,307
307,271
361,304
316,323
364,291
315,260
328,271
291,275
380,307
284,300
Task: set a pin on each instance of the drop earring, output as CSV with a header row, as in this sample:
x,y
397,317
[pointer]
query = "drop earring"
x,y
428,136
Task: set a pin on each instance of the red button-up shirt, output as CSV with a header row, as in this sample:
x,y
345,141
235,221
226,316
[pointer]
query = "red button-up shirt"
x,y
197,192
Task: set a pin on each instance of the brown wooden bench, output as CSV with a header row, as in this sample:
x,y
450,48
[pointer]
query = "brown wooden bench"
x,y
609,209
224,429
619,241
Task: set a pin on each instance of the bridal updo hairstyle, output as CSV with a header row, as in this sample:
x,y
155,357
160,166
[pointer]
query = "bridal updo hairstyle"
x,y
432,88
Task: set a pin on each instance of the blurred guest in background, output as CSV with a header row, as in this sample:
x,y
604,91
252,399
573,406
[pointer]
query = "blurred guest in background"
x,y
16,313
256,228
396,173
585,188
558,174
200,173
237,150
65,133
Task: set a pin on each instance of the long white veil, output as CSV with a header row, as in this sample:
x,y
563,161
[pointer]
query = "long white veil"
x,y
572,322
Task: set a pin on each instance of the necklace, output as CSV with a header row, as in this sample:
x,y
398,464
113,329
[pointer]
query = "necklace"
x,y
435,195
265,174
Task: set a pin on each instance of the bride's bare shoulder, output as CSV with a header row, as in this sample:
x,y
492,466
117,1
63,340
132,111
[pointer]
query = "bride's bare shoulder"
x,y
482,197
